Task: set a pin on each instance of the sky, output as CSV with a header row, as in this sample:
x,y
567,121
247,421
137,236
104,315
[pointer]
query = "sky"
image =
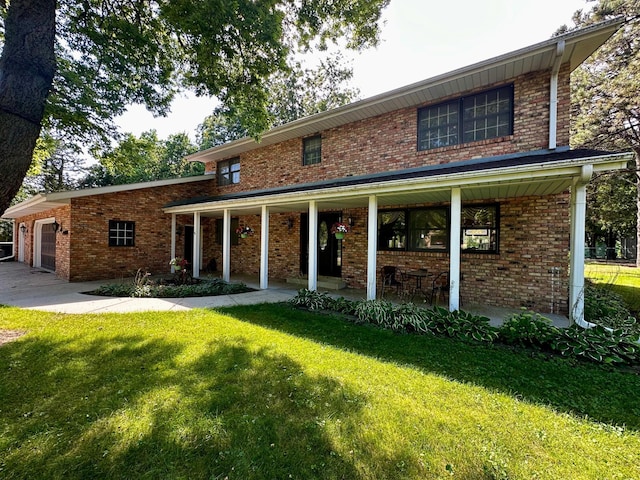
x,y
420,39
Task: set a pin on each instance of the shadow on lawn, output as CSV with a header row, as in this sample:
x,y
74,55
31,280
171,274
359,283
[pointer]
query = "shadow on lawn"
x,y
132,407
603,394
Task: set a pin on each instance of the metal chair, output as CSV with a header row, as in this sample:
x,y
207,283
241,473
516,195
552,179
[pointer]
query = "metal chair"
x,y
439,287
391,277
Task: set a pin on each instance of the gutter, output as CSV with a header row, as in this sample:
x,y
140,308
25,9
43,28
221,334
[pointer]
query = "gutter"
x,y
553,95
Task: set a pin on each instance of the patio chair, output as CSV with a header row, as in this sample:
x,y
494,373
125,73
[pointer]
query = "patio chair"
x,y
392,277
439,288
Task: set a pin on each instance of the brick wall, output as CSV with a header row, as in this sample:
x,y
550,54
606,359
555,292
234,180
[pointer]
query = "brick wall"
x,y
388,142
91,256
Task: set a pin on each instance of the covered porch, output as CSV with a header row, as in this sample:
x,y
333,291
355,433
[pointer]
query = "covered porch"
x,y
536,175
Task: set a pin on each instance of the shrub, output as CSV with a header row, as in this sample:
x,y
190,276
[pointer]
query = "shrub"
x,y
461,325
528,329
597,344
144,287
604,307
311,300
377,312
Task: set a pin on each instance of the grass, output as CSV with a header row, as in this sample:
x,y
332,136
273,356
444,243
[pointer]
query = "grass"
x,y
271,392
623,280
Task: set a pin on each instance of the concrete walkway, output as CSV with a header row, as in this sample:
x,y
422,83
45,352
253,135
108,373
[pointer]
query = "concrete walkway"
x,y
37,289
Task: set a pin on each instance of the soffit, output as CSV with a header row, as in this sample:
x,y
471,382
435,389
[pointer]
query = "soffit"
x,y
578,46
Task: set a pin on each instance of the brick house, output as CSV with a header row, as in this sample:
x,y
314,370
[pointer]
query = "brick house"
x,y
468,173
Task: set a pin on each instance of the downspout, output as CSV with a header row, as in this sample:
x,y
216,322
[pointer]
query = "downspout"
x,y
553,95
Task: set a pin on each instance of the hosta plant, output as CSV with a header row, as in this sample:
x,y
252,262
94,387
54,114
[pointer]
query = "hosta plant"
x,y
597,344
528,329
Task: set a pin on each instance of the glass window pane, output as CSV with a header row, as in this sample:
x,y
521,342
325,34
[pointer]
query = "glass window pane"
x,y
428,229
392,230
479,229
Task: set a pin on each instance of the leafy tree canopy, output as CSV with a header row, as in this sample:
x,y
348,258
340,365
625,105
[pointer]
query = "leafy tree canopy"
x,y
606,115
86,60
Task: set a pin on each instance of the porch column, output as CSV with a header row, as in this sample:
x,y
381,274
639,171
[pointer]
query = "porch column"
x,y
372,247
313,245
576,254
454,250
196,245
264,248
173,240
226,245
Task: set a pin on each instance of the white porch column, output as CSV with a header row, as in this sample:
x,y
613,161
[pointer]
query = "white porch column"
x,y
226,245
313,245
196,245
264,248
576,254
173,240
454,250
372,247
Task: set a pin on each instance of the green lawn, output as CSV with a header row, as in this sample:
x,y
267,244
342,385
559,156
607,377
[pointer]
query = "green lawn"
x,y
268,392
623,280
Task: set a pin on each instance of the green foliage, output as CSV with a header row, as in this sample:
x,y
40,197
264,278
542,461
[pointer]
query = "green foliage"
x,y
461,325
311,299
143,286
524,330
597,344
528,329
604,307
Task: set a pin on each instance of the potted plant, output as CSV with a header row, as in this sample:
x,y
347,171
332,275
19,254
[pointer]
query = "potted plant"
x,y
244,232
339,229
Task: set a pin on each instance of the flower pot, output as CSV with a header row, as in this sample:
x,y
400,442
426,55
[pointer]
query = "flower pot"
x,y
339,235
244,235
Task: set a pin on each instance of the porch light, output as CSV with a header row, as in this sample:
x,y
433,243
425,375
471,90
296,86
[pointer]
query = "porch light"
x,y
23,228
56,226
351,221
290,222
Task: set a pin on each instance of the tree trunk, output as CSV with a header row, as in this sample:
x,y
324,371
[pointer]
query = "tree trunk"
x,y
27,67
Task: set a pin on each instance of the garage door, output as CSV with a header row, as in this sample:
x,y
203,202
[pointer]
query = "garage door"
x,y
48,247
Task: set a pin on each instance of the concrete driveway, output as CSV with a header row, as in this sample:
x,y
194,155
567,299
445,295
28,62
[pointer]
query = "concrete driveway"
x,y
37,289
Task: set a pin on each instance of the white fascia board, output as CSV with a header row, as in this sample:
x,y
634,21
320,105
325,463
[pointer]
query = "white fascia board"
x,y
515,174
45,201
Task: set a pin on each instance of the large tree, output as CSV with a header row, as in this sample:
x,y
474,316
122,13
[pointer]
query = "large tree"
x,y
606,113
75,65
296,93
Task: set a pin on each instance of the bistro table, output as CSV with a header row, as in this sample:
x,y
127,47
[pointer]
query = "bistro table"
x,y
419,275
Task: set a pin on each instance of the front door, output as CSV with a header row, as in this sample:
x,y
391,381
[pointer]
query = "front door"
x,y
329,248
188,245
48,247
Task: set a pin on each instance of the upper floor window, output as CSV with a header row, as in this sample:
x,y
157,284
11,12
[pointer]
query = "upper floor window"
x,y
229,171
121,233
467,119
312,150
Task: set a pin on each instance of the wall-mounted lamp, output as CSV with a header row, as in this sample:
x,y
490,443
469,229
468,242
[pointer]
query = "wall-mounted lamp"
x,y
56,227
23,228
351,221
290,222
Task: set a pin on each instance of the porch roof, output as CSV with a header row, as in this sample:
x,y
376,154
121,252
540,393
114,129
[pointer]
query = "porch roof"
x,y
533,173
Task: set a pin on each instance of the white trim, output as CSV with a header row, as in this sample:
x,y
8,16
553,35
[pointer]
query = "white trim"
x,y
226,245
21,242
454,249
264,248
538,57
37,240
43,202
173,240
553,95
197,241
313,245
372,247
522,174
